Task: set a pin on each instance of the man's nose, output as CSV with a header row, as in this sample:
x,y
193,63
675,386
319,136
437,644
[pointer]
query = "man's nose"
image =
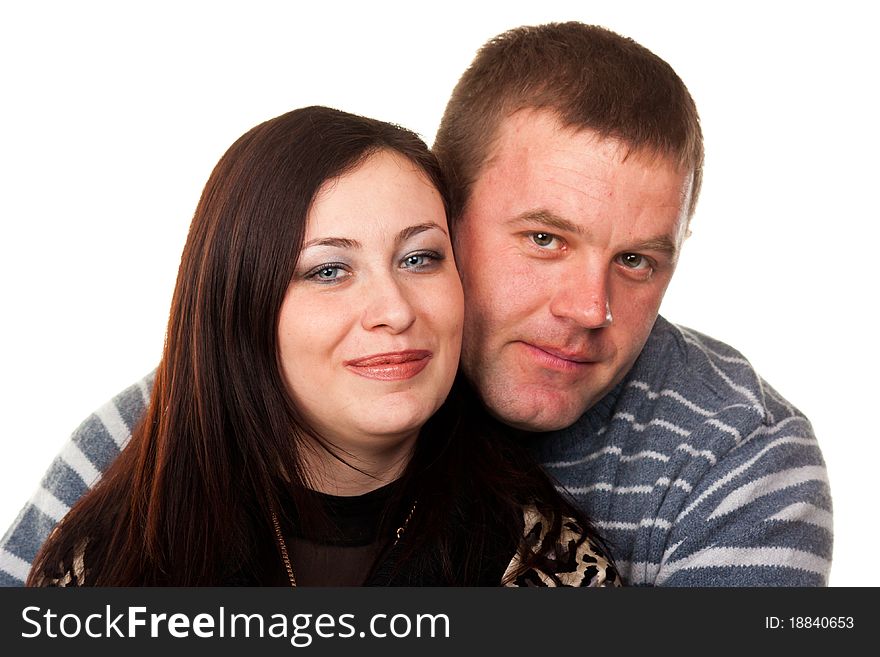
x,y
387,306
584,298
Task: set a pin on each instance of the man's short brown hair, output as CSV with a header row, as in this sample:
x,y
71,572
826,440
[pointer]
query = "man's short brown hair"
x,y
591,77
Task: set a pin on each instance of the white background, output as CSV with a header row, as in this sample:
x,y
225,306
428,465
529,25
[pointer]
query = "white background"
x,y
113,114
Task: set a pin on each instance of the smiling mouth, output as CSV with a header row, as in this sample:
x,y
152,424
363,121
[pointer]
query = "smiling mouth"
x,y
392,366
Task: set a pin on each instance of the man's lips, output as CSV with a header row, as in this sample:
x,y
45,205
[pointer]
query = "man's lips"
x,y
391,366
558,358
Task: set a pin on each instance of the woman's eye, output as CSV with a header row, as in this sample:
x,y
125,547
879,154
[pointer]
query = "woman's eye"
x,y
329,273
420,260
544,240
414,261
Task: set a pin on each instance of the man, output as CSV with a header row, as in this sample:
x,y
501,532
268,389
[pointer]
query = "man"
x,y
575,159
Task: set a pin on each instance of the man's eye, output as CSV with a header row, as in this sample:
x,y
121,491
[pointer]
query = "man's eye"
x,y
544,240
634,261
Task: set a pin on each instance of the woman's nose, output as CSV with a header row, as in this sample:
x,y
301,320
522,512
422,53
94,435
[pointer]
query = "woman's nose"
x,y
388,306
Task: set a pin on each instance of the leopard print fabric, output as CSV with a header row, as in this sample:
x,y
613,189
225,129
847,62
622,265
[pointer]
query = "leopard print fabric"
x,y
575,560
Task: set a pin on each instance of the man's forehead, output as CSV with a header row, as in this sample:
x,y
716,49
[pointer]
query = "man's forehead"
x,y
521,133
543,168
533,146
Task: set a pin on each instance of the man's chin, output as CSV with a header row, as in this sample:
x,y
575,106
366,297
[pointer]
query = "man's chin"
x,y
536,415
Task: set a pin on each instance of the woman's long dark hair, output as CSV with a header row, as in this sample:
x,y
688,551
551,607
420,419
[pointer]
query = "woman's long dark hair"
x,y
189,499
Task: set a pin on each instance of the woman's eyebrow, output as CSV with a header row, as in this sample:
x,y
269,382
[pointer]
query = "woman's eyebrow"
x,y
346,243
339,242
411,231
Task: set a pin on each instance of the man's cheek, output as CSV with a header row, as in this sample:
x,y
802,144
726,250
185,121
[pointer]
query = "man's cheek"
x,y
518,283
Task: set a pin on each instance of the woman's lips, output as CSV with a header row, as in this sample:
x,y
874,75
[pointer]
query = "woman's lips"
x,y
391,366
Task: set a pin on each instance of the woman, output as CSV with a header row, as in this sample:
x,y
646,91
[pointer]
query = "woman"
x,y
297,432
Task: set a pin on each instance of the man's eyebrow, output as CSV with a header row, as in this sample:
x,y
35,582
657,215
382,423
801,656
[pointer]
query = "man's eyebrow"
x,y
663,244
547,219
411,231
339,242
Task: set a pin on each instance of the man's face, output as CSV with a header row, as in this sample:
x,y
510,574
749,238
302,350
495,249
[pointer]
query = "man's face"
x,y
565,248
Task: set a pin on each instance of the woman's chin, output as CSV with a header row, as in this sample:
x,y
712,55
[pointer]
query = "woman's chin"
x,y
394,418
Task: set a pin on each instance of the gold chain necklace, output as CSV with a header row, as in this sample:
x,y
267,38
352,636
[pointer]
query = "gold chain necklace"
x,y
285,556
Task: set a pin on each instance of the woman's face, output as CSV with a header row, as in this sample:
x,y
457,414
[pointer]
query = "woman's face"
x,y
370,328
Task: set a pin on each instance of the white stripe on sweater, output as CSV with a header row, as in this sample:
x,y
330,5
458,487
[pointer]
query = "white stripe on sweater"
x,y
644,454
740,389
678,483
766,485
726,428
805,512
629,417
81,465
15,566
624,458
589,457
662,482
633,526
49,504
765,430
677,396
736,472
714,557
581,490
668,392
115,425
637,572
669,551
617,490
705,453
145,392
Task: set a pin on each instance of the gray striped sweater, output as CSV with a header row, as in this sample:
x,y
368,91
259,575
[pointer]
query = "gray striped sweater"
x,y
697,472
